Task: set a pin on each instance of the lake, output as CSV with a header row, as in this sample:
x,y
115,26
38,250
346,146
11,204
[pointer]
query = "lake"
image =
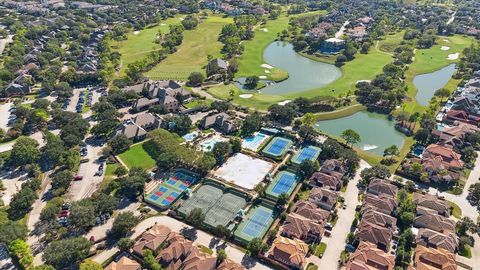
x,y
376,131
428,83
304,74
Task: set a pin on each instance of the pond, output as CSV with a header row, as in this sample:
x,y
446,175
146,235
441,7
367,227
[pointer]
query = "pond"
x,y
428,83
304,74
376,131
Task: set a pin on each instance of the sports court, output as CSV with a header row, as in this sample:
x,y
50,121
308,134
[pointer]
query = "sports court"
x,y
306,153
256,223
283,182
171,188
255,141
277,147
220,206
243,170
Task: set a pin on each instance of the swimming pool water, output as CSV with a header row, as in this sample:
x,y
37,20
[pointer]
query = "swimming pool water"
x,y
253,142
190,136
208,145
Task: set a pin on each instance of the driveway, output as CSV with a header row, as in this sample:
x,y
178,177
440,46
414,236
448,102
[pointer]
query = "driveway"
x,y
202,238
5,113
336,242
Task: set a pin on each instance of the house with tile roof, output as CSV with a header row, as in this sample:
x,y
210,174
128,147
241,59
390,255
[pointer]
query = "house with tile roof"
x,y
176,252
441,207
432,239
289,252
433,259
323,198
151,239
198,260
228,264
124,263
448,156
380,219
369,257
375,234
332,180
434,222
382,203
379,186
310,210
305,229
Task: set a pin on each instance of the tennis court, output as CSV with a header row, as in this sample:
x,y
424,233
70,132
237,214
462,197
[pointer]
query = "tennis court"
x,y
171,188
256,223
306,153
283,182
277,147
219,206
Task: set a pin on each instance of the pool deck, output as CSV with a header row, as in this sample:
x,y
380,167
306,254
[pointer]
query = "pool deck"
x,y
247,145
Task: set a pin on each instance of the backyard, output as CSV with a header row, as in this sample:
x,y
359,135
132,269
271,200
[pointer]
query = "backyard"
x,y
136,156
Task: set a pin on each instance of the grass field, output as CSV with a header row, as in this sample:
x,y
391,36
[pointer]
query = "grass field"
x,y
136,156
139,44
192,54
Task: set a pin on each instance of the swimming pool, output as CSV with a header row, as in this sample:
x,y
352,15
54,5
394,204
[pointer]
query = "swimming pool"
x,y
208,144
190,136
255,141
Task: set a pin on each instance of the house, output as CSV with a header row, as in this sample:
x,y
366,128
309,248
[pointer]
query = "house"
x,y
147,121
448,156
432,239
168,93
375,234
217,66
124,263
333,165
436,169
319,31
221,121
310,210
365,20
142,104
151,239
228,264
332,45
379,186
382,203
357,32
323,198
289,252
176,252
453,136
15,89
454,115
440,207
305,229
369,257
433,259
198,260
332,181
434,222
380,219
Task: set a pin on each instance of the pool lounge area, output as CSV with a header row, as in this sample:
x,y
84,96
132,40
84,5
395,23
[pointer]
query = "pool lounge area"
x,y
208,144
190,136
277,147
283,182
255,141
256,223
171,188
306,153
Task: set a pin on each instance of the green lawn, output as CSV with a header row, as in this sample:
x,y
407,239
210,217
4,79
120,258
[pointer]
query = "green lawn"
x,y
197,102
136,156
320,250
456,210
137,45
192,54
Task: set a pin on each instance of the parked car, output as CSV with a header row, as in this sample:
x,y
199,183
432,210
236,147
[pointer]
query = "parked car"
x,y
78,178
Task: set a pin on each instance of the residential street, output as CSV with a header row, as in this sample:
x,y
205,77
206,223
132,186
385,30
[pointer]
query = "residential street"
x,y
336,242
202,238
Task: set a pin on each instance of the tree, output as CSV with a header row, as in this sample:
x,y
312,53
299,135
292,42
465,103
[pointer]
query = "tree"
x,y
222,231
149,260
308,133
282,199
221,256
220,106
442,93
308,167
376,171
308,119
66,252
251,82
252,123
474,195
283,114
179,124
12,230
391,151
125,243
25,151
61,182
221,150
196,217
469,155
90,265
43,267
236,145
167,161
82,216
119,144
350,136
256,246
21,252
467,225
21,203
120,171
123,224
195,79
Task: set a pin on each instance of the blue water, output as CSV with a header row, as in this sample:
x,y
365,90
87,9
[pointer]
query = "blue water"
x,y
428,83
190,136
208,145
254,141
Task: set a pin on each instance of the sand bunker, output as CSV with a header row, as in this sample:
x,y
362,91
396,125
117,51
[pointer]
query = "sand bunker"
x,y
445,48
136,32
267,66
267,71
246,96
446,40
453,56
262,77
359,81
163,24
285,102
264,29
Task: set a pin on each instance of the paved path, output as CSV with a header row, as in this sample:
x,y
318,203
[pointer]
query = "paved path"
x,y
4,42
38,136
233,253
336,242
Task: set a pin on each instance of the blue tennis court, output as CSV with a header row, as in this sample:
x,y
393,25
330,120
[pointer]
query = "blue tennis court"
x,y
306,153
256,224
283,182
167,192
277,147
